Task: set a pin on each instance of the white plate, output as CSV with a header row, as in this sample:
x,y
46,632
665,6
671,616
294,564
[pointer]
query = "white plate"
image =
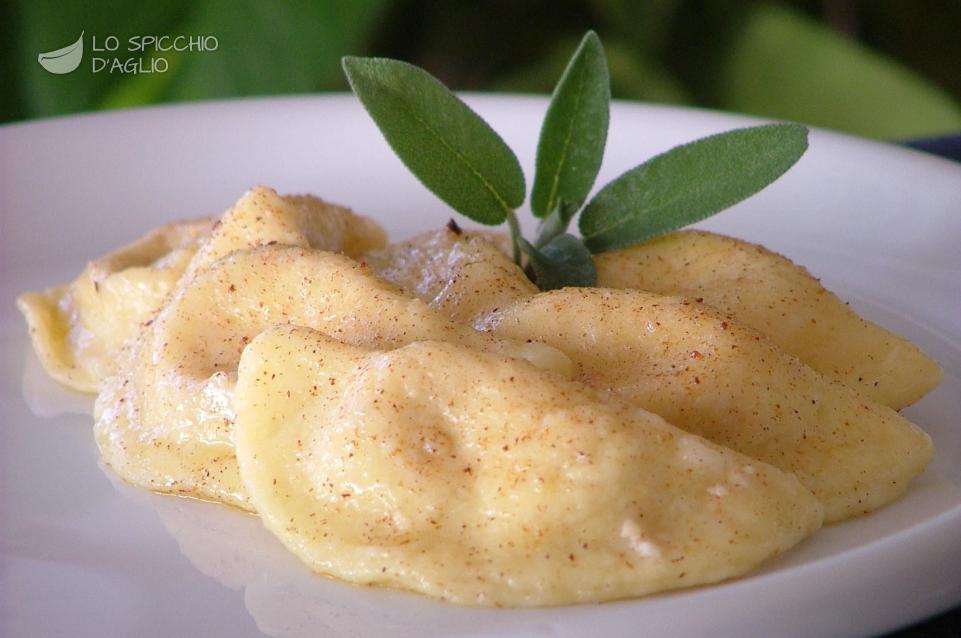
x,y
82,555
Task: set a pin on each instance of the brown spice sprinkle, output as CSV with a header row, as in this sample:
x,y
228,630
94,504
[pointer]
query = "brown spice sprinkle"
x,y
660,357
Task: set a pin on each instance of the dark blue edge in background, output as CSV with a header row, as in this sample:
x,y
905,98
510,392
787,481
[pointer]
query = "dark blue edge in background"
x,y
947,146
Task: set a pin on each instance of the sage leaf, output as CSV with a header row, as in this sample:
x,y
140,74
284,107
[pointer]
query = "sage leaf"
x,y
563,261
688,183
574,131
447,146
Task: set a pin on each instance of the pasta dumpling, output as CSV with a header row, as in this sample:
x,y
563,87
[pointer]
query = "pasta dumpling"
x,y
166,420
781,300
79,329
481,479
463,275
709,375
703,371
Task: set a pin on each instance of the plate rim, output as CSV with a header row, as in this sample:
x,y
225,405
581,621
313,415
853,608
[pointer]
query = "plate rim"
x,y
950,519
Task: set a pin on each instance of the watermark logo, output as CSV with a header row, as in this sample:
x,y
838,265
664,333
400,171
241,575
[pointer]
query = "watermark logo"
x,y
137,54
63,60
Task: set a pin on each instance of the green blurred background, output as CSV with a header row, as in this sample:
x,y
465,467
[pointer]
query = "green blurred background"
x,y
882,68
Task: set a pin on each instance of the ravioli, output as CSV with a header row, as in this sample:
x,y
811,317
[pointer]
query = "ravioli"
x,y
79,329
460,274
166,421
481,479
783,301
702,371
262,217
418,415
709,375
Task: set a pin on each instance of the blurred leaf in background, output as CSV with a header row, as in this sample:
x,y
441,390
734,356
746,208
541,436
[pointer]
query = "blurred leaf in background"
x,y
263,48
633,75
46,24
10,98
273,48
885,68
785,65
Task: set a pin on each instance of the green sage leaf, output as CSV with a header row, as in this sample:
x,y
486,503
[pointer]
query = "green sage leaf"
x,y
574,132
563,261
688,183
447,146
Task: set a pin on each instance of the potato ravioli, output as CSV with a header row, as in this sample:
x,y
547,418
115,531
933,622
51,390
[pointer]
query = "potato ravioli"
x,y
418,415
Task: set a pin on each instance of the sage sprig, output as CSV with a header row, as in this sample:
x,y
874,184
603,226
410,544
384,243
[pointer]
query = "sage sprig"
x,y
462,160
574,132
688,183
446,145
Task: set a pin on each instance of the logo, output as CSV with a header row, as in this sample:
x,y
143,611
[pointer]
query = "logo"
x,y
138,54
63,60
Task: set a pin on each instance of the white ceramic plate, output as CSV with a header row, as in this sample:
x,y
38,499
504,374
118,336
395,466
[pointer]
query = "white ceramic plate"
x,y
84,555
